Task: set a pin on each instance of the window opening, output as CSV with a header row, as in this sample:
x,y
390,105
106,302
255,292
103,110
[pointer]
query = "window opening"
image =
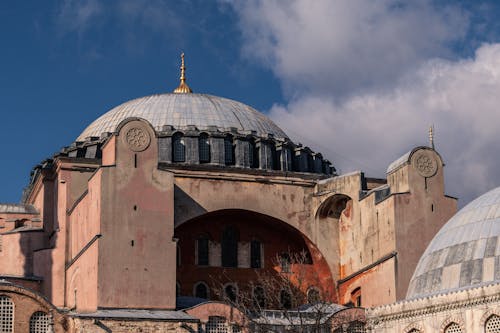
x,y
39,322
253,156
6,314
203,251
356,296
259,297
229,247
204,148
230,292
255,255
286,299
201,290
313,295
216,324
453,328
178,148
228,150
492,324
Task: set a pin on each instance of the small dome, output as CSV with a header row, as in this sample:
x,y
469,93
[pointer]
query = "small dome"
x,y
180,110
464,253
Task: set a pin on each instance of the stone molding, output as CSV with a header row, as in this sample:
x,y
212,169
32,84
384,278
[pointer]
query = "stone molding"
x,y
488,314
435,304
451,320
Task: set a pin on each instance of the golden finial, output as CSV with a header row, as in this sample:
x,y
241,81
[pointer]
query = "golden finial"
x,y
431,136
183,88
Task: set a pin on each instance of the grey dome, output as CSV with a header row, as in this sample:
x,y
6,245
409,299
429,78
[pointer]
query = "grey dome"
x,y
180,110
464,253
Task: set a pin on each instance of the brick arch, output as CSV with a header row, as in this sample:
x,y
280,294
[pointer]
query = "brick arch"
x,y
276,237
8,288
26,303
451,320
414,326
487,315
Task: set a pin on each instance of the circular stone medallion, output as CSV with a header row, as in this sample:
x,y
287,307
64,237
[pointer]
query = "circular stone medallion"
x,y
137,139
425,163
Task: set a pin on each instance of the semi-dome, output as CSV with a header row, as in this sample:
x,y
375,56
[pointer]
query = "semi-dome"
x,y
464,253
180,110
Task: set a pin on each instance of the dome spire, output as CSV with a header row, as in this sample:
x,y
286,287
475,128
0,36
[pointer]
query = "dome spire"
x,y
431,136
183,88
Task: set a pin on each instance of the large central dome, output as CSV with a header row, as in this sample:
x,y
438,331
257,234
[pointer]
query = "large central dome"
x,y
180,110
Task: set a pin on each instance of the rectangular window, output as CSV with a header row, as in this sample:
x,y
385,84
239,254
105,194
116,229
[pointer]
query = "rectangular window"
x,y
203,252
255,254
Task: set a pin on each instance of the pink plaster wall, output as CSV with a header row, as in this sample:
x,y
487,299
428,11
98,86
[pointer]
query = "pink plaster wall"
x,y
84,224
136,252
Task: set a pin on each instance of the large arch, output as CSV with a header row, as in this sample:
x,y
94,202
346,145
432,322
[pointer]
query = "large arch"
x,y
278,240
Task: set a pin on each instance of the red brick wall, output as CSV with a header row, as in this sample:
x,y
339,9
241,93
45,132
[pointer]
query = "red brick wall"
x,y
275,236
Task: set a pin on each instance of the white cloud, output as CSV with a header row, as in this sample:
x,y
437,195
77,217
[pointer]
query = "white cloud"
x,y
365,79
336,47
370,130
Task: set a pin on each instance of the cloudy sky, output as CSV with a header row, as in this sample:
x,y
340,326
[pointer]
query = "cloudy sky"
x,y
359,80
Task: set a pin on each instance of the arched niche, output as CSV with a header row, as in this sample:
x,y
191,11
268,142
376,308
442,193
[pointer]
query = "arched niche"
x,y
275,238
333,207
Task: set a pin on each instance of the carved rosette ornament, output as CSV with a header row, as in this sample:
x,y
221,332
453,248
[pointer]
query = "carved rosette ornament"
x,y
425,163
137,139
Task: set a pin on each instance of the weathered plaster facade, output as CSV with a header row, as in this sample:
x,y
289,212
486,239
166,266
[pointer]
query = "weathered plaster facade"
x,y
112,223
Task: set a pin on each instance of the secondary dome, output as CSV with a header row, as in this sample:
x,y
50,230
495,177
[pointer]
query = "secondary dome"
x,y
182,109
464,253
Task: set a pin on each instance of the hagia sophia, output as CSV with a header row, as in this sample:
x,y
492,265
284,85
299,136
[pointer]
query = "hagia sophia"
x,y
135,225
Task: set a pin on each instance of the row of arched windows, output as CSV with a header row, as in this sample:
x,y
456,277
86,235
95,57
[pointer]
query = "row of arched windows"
x,y
229,249
201,290
40,321
491,325
253,155
204,151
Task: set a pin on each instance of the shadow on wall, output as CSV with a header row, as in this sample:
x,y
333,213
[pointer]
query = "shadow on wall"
x,y
185,207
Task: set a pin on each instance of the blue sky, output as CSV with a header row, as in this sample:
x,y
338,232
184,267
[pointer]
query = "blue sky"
x,y
358,80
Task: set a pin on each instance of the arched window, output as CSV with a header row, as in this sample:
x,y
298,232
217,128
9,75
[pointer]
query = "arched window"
x,y
453,328
259,297
253,154
275,160
6,314
286,299
313,295
178,148
492,325
356,296
202,250
204,148
255,254
228,150
39,322
229,247
231,292
201,290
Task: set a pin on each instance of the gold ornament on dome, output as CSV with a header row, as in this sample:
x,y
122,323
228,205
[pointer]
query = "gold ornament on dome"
x,y
183,88
425,163
137,139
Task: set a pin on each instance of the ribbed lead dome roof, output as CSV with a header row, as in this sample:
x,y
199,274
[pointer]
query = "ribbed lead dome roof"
x,y
465,252
179,110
